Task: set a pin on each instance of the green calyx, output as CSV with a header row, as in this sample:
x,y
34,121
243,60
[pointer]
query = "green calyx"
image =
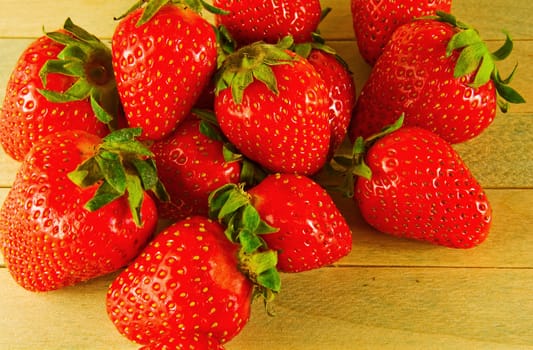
x,y
252,62
121,166
87,59
353,165
226,45
232,207
318,43
476,57
151,7
251,173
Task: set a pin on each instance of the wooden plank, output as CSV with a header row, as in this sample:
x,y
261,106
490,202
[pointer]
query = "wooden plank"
x,y
388,293
332,308
489,17
374,308
8,169
509,134
72,318
94,16
522,55
502,156
508,245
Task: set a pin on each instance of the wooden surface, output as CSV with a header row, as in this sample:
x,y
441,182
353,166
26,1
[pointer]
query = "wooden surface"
x,y
388,293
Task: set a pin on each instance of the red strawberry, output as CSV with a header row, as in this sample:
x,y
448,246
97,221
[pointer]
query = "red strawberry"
x,y
269,21
184,291
309,231
52,87
341,89
413,184
191,165
441,75
374,21
54,233
273,106
163,55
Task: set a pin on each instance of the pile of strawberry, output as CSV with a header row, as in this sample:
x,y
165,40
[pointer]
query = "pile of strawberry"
x,y
188,153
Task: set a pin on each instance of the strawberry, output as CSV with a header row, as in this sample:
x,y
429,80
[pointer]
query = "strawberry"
x,y
339,83
274,107
441,75
307,229
269,21
411,183
72,214
63,80
191,165
164,55
184,291
374,21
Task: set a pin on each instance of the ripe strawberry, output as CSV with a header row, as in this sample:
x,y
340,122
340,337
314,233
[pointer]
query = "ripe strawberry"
x,y
269,21
273,106
309,231
340,85
184,291
191,165
164,55
54,233
413,184
441,75
63,80
374,21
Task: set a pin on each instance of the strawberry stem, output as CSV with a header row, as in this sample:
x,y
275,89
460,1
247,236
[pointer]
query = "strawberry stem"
x,y
475,57
87,59
232,207
153,6
251,173
120,166
252,62
353,165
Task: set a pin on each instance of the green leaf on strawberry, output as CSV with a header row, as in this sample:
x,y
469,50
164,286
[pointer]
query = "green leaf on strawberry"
x,y
121,165
75,244
354,165
88,59
153,6
441,75
251,173
475,57
253,62
231,206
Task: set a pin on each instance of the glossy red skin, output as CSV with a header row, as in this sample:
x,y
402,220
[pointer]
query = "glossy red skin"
x,y
421,189
312,231
162,67
191,166
47,237
374,21
270,20
27,116
342,94
413,76
183,289
288,132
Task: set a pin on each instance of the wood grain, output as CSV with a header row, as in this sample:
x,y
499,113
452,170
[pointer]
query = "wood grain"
x,y
332,308
508,245
388,293
489,17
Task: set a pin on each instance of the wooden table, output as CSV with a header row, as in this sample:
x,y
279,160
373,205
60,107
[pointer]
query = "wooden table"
x,y
388,293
